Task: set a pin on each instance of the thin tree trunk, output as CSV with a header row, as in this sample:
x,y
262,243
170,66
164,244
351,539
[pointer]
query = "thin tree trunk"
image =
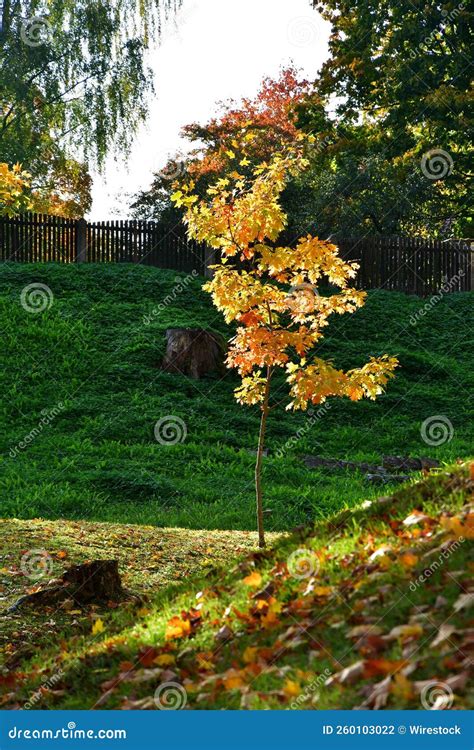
x,y
258,465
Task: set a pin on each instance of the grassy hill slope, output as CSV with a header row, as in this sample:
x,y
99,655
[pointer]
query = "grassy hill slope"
x,y
96,457
371,607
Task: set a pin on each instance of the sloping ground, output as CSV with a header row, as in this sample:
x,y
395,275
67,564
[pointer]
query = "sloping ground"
x,y
372,607
36,551
81,393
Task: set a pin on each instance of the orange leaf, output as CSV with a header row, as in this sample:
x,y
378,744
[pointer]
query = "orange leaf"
x,y
126,666
268,621
408,560
254,579
291,689
233,680
177,628
377,667
147,656
250,319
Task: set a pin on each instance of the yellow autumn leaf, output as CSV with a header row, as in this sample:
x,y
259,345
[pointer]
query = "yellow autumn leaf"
x,y
254,579
275,607
291,689
164,660
250,655
406,631
269,620
459,526
402,687
322,590
177,628
98,627
143,612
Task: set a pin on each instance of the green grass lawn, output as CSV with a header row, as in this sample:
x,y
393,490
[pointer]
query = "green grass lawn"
x,y
97,458
368,608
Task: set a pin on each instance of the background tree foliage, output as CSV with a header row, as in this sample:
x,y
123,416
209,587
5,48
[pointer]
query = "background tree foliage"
x,y
267,123
401,72
73,85
395,89
13,184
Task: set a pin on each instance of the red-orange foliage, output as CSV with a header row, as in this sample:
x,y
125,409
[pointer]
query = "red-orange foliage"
x,y
266,122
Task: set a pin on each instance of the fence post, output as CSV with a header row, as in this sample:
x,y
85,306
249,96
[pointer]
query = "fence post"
x,y
470,265
209,260
81,241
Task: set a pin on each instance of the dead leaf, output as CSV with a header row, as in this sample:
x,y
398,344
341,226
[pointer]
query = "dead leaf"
x,y
364,630
402,687
464,601
406,631
224,634
250,655
444,633
379,667
415,517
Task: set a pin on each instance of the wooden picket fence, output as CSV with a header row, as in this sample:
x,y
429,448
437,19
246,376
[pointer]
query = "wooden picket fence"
x,y
406,264
411,264
37,238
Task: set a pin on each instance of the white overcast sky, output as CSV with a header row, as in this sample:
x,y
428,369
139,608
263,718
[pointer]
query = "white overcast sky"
x,y
212,50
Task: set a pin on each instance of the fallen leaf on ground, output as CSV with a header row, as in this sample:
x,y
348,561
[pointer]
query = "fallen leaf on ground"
x,y
254,579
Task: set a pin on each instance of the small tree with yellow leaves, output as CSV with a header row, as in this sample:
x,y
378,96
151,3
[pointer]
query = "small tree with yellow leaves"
x,y
273,296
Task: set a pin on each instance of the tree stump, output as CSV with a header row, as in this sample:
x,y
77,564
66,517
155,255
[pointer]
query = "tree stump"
x,y
94,582
193,352
98,580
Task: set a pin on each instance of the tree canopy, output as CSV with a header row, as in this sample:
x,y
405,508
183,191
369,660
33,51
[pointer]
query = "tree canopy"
x,y
74,81
390,117
400,74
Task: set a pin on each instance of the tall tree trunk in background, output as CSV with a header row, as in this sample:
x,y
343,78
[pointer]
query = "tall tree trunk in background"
x,y
4,17
258,465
